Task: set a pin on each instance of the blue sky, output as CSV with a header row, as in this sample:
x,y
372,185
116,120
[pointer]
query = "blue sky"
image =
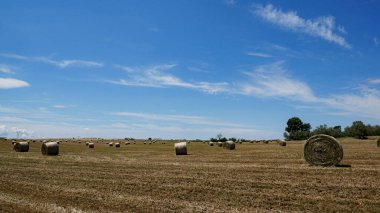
x,y
186,69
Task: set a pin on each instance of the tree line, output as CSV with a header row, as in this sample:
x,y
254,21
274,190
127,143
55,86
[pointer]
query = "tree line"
x,y
296,129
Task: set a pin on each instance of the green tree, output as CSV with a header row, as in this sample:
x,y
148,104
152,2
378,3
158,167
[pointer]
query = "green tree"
x,y
335,131
357,130
296,129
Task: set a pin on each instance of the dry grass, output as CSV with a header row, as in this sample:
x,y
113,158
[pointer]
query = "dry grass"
x,y
139,178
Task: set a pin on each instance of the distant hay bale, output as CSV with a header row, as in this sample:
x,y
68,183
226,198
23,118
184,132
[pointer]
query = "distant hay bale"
x,y
323,150
220,144
21,147
126,143
87,143
266,142
229,145
91,145
110,144
211,143
117,145
282,143
378,142
50,148
180,148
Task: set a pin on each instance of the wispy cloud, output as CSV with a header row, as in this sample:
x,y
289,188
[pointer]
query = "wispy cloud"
x,y
157,76
261,55
6,69
62,106
70,63
230,2
272,81
322,27
11,83
366,103
376,41
58,63
374,81
186,119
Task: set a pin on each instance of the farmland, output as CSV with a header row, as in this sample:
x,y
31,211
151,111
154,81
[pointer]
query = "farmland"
x,y
256,177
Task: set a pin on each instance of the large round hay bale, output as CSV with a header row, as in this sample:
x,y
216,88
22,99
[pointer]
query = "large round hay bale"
x,y
110,144
21,146
91,145
282,143
211,143
229,145
117,145
180,148
50,148
87,143
220,144
378,142
323,150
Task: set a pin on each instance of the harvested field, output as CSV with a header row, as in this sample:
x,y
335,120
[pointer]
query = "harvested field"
x,y
256,177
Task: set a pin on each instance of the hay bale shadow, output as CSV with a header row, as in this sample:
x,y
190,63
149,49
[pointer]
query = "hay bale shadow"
x,y
343,166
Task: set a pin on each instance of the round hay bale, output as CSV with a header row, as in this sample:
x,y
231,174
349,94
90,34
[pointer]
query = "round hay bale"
x,y
127,143
117,145
91,145
323,150
110,144
220,144
50,148
282,143
211,143
229,145
21,147
87,143
378,142
180,148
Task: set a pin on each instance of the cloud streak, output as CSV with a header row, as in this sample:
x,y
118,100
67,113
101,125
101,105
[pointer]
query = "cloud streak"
x,y
321,27
11,83
158,76
58,63
261,55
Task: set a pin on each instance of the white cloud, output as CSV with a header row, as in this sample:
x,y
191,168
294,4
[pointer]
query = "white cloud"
x,y
6,69
157,76
374,81
322,27
58,63
15,131
11,83
261,55
366,103
272,81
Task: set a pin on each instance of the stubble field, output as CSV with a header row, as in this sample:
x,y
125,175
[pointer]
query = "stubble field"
x,y
256,177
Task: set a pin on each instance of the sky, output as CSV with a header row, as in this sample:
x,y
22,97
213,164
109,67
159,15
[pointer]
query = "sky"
x,y
186,69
